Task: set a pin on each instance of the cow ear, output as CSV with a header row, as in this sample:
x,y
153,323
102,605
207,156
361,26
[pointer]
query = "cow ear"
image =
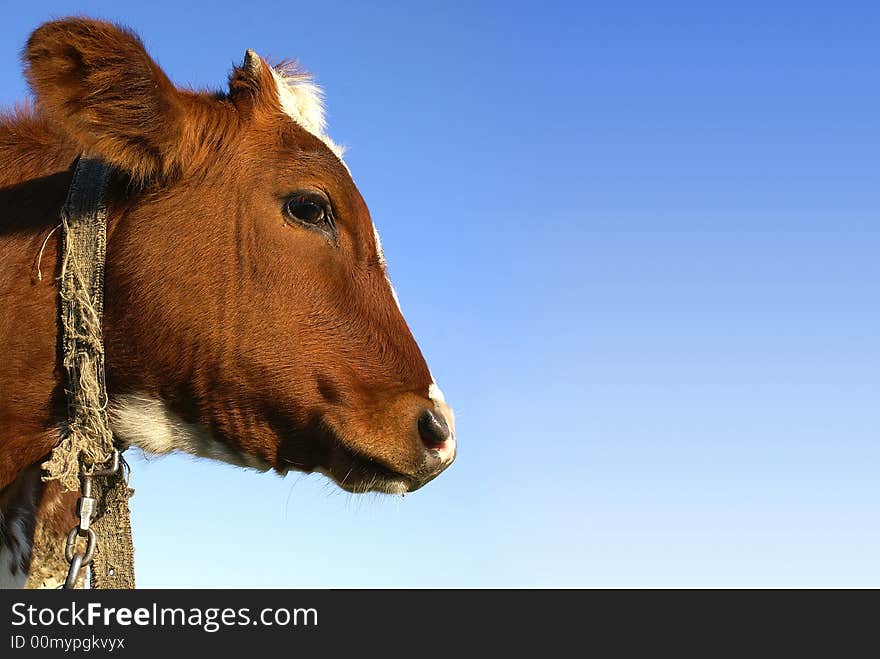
x,y
252,87
97,82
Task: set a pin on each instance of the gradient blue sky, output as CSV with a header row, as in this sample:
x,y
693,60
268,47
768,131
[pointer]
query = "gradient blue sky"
x,y
638,243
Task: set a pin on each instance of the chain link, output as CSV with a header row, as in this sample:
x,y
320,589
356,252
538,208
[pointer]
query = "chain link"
x,y
85,510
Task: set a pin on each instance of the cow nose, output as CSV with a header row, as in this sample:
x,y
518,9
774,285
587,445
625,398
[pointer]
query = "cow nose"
x,y
438,438
433,429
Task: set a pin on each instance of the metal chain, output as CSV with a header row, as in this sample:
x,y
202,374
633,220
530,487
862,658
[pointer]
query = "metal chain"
x,y
85,509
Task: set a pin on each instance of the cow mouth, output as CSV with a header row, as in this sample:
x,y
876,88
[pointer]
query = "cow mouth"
x,y
358,474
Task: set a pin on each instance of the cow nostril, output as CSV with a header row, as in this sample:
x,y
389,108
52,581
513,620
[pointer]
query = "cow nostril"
x,y
433,429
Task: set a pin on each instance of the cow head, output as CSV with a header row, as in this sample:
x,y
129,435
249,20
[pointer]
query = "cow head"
x,y
249,316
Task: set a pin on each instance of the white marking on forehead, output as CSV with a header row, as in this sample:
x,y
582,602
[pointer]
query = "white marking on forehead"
x,y
394,294
303,101
380,253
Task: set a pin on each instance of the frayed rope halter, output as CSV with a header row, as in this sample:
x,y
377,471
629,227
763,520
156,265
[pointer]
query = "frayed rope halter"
x,y
88,458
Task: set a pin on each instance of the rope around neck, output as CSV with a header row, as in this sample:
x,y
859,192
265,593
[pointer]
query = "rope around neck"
x,y
87,443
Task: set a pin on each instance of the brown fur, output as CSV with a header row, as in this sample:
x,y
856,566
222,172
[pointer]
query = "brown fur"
x,y
285,346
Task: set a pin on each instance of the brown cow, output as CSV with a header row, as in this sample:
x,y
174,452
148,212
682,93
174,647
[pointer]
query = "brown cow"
x,y
248,316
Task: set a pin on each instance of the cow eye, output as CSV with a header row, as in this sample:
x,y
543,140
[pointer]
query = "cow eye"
x,y
311,210
306,211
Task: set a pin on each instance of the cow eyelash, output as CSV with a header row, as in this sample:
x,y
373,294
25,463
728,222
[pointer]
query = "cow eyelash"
x,y
312,211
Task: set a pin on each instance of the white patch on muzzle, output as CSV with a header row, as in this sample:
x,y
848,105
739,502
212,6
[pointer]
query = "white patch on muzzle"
x,y
447,451
435,394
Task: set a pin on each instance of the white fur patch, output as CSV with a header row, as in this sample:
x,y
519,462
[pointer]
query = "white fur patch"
x,y
435,394
148,424
303,101
11,574
380,253
448,450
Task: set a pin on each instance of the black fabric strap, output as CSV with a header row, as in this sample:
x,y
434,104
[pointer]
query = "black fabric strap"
x,y
88,444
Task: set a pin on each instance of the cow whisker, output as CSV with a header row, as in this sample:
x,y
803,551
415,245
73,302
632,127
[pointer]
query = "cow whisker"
x,y
39,259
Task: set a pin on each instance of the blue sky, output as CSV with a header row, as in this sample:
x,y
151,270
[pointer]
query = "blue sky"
x,y
651,292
